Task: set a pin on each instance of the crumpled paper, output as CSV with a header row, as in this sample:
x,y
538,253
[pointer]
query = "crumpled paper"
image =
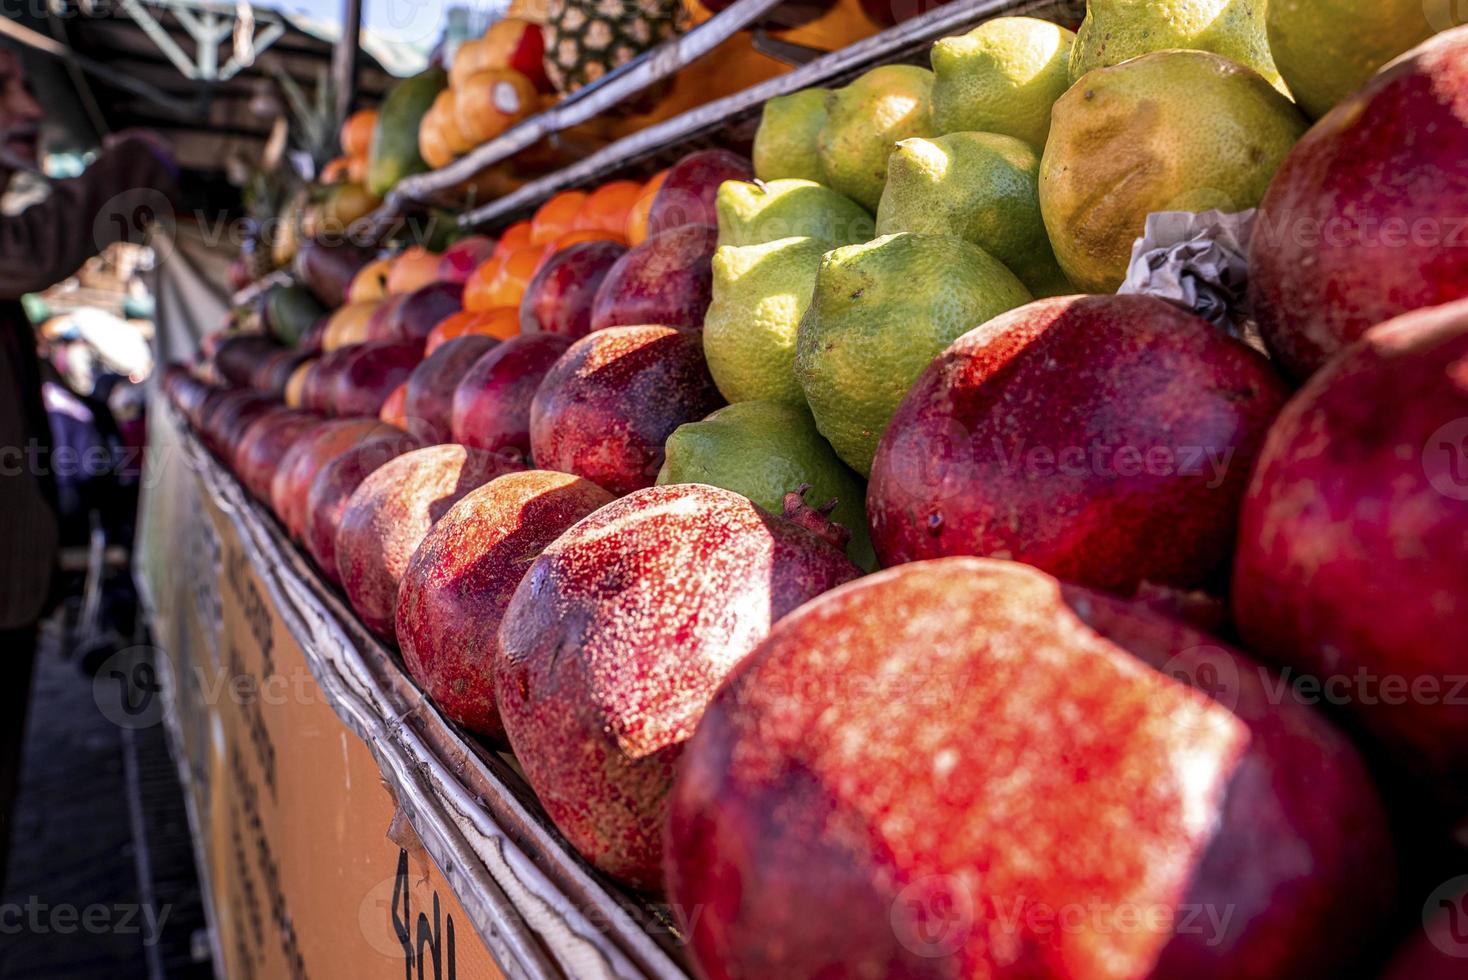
x,y
1197,261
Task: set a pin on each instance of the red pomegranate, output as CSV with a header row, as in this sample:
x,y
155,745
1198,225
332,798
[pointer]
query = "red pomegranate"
x,y
428,408
1351,560
605,409
617,637
459,581
1368,217
266,442
387,516
333,485
491,405
301,462
1104,439
963,768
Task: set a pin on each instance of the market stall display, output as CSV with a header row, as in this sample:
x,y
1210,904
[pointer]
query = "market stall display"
x,y
814,552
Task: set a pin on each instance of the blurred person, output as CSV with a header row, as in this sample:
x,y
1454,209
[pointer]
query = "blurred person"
x,y
39,247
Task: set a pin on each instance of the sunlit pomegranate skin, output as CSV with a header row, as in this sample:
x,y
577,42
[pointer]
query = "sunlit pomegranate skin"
x,y
332,486
388,514
1104,439
606,408
1352,543
459,581
300,464
667,279
963,768
491,405
617,637
429,405
559,297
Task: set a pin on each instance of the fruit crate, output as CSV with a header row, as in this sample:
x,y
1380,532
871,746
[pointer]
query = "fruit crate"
x,y
544,912
730,122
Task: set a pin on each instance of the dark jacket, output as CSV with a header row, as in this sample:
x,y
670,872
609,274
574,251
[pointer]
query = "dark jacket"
x,y
40,247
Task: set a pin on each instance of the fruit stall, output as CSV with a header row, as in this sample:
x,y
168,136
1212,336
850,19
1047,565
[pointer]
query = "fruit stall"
x,y
780,489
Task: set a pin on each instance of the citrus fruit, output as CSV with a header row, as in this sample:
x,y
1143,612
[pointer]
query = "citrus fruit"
x,y
607,207
1001,77
760,293
637,231
512,239
1170,131
500,322
981,187
864,120
1328,49
764,450
785,145
1115,31
879,314
752,213
556,217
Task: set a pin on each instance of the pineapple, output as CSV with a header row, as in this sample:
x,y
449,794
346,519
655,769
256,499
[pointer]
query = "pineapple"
x,y
587,39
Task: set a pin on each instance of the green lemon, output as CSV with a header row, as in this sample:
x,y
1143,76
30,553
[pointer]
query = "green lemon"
x,y
751,213
760,294
879,314
1115,31
863,122
1329,49
1171,131
980,187
764,450
785,143
1001,77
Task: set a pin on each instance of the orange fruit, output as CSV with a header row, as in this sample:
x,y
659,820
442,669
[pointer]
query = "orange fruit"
x,y
608,206
448,123
500,322
514,238
433,145
370,282
356,132
335,170
636,232
491,101
296,386
357,169
556,217
395,410
501,281
473,57
414,268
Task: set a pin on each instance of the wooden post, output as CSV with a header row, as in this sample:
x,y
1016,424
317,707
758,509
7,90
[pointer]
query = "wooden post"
x,y
344,58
